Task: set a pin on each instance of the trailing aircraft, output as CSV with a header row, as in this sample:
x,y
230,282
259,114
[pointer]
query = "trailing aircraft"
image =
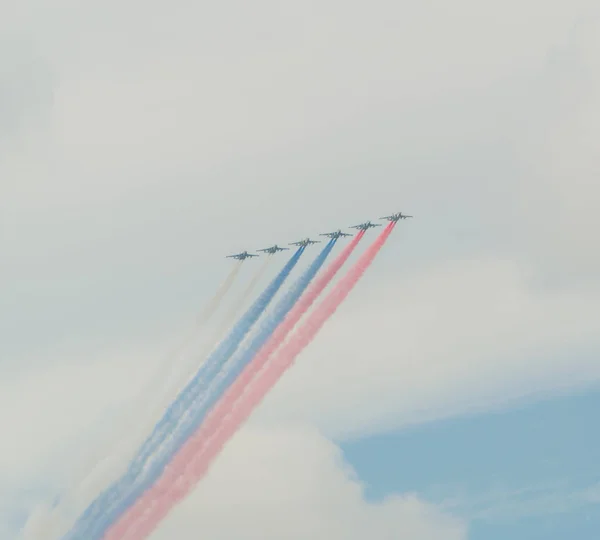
x,y
241,256
272,250
366,225
305,242
335,234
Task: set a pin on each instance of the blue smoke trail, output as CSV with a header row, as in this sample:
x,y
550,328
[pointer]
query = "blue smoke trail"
x,y
176,410
198,410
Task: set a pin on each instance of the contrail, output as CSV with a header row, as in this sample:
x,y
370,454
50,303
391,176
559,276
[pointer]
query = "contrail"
x,y
239,304
149,398
130,419
193,461
192,364
170,367
164,428
198,410
221,292
184,375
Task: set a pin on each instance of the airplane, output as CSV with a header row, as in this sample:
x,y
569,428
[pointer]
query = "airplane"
x,y
397,216
366,225
335,234
272,250
305,242
241,256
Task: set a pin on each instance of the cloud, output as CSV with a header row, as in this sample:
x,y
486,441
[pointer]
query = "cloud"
x,y
286,481
557,143
61,408
468,335
25,89
293,483
505,344
168,136
550,499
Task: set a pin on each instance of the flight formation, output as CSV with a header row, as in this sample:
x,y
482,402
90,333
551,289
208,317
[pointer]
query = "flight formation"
x,y
218,390
307,241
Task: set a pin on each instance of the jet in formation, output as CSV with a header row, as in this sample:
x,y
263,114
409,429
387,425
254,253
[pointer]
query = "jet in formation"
x,y
241,256
366,225
396,217
305,242
273,249
336,234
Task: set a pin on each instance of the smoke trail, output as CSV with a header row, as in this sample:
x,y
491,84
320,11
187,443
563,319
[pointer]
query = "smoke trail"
x,y
221,292
239,304
159,392
193,461
159,379
148,396
129,420
191,366
200,408
177,409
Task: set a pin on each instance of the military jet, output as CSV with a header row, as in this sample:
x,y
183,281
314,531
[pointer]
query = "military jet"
x,y
272,250
335,234
366,225
397,216
241,256
305,242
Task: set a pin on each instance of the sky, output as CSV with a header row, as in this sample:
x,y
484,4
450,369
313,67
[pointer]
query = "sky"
x,y
452,395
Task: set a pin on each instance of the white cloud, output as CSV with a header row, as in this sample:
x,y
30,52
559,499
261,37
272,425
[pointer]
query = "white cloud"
x,y
549,499
293,483
558,144
284,481
504,343
60,407
469,334
116,210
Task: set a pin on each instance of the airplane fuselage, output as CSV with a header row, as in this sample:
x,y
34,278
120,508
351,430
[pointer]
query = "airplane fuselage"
x,y
305,242
366,225
241,256
273,249
396,217
336,234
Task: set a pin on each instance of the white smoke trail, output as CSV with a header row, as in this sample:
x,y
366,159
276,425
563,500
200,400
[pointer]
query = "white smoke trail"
x,y
237,307
111,459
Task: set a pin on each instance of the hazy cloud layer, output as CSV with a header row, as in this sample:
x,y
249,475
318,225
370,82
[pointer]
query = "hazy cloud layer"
x,y
142,142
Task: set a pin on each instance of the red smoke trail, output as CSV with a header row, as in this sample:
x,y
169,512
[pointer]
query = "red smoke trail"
x,y
194,459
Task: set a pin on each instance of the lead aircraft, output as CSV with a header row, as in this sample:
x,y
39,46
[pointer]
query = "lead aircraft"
x,y
397,216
